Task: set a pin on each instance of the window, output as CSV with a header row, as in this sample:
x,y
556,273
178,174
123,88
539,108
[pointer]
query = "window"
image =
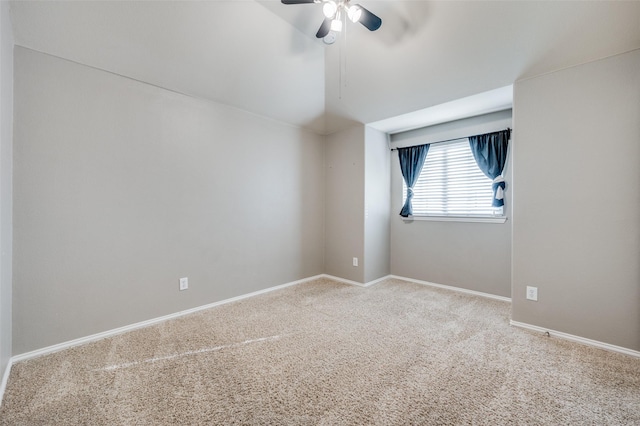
x,y
451,184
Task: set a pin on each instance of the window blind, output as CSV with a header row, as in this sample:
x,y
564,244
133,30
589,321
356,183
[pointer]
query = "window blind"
x,y
451,184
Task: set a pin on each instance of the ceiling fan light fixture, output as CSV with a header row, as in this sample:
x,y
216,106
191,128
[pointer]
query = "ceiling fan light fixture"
x,y
336,25
329,9
333,10
354,13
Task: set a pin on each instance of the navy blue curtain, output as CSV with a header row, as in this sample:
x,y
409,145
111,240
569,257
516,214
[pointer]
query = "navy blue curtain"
x,y
490,152
411,162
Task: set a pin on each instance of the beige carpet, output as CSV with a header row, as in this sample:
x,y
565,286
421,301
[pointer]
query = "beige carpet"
x,y
330,354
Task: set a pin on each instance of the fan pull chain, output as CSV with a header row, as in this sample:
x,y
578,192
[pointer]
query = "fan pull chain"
x,y
340,74
343,62
345,56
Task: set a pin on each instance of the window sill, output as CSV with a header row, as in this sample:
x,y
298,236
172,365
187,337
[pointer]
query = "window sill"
x,y
480,219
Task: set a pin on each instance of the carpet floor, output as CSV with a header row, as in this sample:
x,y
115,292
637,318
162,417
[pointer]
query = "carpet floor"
x,y
325,353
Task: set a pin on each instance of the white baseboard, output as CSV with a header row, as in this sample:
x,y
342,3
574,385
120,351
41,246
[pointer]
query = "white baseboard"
x,y
5,379
71,343
577,339
346,281
452,288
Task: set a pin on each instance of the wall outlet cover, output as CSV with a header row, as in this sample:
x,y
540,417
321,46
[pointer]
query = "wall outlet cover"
x,y
184,283
532,293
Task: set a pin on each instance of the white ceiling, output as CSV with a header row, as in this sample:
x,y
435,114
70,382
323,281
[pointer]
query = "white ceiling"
x,y
262,56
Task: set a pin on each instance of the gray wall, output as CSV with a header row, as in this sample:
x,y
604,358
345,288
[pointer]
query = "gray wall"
x,y
121,188
474,256
6,165
576,229
377,197
344,210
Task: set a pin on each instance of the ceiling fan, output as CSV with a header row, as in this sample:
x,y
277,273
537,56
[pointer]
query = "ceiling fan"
x,y
335,11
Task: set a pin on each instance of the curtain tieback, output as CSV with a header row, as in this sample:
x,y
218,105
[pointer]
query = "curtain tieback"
x,y
498,188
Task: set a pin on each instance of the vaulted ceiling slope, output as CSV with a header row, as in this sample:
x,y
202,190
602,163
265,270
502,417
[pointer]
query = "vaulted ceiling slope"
x,y
233,52
262,56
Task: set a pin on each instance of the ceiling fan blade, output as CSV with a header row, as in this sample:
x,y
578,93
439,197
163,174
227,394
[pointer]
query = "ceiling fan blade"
x,y
297,1
324,28
369,20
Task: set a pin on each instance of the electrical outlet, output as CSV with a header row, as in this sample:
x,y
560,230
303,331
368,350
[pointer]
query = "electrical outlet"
x,y
532,293
184,283
355,261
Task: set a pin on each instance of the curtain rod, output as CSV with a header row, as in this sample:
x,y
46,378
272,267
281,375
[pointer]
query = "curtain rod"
x,y
454,139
